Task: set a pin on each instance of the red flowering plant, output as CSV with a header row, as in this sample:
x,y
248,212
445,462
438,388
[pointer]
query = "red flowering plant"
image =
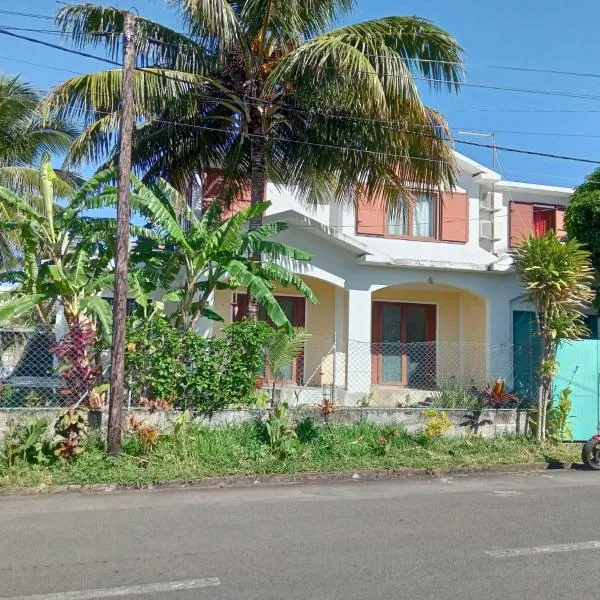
x,y
77,352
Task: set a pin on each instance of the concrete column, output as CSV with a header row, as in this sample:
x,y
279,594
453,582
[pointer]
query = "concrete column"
x,y
340,338
358,364
499,330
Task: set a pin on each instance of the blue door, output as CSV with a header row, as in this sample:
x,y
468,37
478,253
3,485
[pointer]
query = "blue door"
x,y
578,368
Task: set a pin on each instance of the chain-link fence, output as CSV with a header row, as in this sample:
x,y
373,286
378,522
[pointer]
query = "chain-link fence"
x,y
36,372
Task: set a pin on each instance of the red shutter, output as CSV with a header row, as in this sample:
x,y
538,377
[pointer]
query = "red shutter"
x,y
560,223
370,215
455,217
521,222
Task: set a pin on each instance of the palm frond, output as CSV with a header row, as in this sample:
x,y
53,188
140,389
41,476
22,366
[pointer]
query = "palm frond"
x,y
90,25
213,23
283,347
261,291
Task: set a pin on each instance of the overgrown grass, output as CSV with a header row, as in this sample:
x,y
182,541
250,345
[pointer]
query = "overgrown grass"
x,y
242,450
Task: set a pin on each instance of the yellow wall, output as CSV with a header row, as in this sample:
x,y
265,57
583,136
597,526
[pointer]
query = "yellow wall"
x,y
447,307
320,323
474,364
466,360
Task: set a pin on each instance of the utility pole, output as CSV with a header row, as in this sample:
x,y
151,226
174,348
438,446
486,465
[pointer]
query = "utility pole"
x,y
117,372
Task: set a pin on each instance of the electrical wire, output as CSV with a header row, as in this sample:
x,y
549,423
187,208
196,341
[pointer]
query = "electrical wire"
x,y
331,146
25,14
57,47
33,64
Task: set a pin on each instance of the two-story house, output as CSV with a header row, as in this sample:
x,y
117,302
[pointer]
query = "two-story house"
x,y
411,299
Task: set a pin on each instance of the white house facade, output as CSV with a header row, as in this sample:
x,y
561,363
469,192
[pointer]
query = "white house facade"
x,y
408,300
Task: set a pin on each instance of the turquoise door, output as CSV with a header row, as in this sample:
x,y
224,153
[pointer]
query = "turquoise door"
x,y
579,369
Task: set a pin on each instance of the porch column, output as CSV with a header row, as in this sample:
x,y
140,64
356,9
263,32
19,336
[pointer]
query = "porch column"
x,y
340,338
358,363
499,327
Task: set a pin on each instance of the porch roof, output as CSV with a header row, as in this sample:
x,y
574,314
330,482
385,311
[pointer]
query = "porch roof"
x,y
314,227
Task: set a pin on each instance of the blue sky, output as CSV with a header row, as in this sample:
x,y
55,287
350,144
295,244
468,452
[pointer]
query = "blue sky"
x,y
540,34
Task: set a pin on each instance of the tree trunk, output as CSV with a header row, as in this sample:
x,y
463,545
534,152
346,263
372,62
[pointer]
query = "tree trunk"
x,y
545,382
258,165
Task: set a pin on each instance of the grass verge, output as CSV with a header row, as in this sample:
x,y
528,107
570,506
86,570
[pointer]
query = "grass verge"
x,y
243,450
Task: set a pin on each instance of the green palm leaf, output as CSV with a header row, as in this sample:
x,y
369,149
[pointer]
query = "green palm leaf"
x,y
13,309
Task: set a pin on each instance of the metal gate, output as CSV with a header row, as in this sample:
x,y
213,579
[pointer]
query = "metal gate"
x,y
578,368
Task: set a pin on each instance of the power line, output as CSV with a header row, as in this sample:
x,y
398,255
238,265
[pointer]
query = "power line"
x,y
332,146
57,47
33,64
420,60
25,14
391,75
465,142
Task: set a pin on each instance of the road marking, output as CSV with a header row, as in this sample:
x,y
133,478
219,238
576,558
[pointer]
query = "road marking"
x,y
505,493
510,552
129,590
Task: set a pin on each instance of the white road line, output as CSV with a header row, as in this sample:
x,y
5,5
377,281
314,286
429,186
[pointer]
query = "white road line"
x,y
510,552
129,590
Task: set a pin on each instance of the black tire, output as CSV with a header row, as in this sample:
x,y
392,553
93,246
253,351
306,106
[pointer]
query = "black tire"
x,y
590,454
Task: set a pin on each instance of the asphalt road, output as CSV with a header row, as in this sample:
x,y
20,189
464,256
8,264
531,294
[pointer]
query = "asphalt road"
x,y
521,536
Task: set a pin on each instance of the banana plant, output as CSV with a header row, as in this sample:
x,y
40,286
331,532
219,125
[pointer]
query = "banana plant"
x,y
192,256
65,257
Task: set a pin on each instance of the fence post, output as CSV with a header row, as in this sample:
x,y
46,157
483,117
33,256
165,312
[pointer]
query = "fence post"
x,y
334,375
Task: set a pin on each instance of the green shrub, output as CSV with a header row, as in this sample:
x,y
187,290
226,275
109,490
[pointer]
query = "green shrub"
x,y
283,440
185,369
25,442
455,394
436,423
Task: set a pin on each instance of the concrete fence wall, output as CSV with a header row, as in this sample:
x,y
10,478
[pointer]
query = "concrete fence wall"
x,y
488,423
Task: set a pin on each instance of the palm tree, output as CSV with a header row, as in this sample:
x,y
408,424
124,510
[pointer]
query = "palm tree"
x,y
268,91
192,256
25,135
557,277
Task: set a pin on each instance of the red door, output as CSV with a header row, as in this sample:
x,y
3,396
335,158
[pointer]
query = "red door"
x,y
403,344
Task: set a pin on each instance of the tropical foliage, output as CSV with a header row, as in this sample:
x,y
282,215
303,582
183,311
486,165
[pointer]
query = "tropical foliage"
x,y
66,257
267,90
281,349
582,217
167,367
26,135
193,256
557,277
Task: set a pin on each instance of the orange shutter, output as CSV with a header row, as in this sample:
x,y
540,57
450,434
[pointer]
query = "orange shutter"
x,y
559,217
521,222
370,215
455,217
213,188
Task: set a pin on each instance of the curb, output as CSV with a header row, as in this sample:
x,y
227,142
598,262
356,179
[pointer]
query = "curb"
x,y
249,481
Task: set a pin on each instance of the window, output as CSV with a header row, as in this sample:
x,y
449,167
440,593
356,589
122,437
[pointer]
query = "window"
x,y
543,219
403,349
415,219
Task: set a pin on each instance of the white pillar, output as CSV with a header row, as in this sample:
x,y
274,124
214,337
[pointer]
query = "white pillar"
x,y
205,327
358,363
500,354
340,338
